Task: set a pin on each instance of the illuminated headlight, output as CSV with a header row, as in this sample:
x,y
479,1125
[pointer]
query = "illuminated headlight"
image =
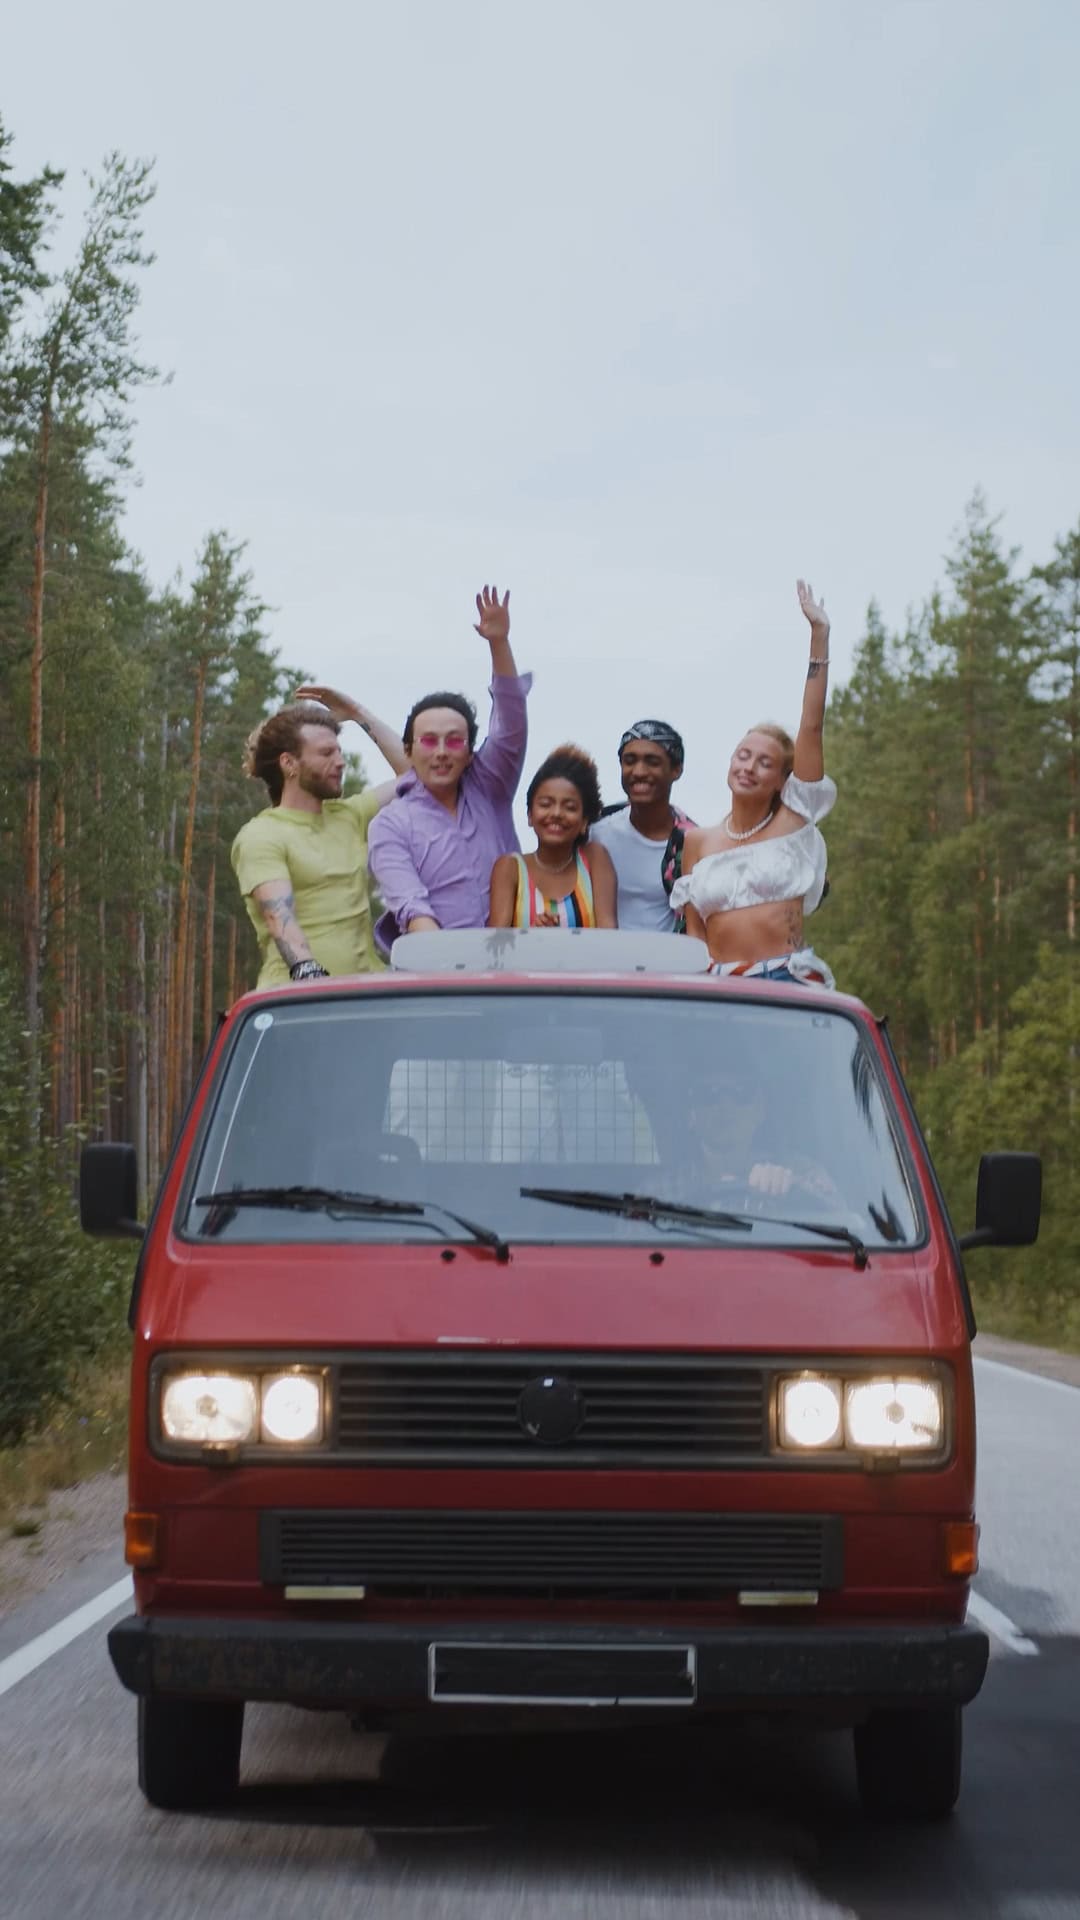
x,y
278,1408
292,1406
811,1413
901,1416
210,1409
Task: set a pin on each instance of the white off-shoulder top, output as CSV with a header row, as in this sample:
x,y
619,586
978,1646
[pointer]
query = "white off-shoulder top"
x,y
789,867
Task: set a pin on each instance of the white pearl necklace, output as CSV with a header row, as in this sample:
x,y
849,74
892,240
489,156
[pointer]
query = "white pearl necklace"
x,y
750,831
543,865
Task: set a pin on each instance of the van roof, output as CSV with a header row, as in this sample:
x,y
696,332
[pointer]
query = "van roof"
x,y
577,959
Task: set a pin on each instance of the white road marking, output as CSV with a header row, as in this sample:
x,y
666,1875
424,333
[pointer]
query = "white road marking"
x,y
999,1625
25,1659
1023,1373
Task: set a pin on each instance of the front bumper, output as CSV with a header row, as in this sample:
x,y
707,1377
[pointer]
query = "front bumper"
x,y
353,1665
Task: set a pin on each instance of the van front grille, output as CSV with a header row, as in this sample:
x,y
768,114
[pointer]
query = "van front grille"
x,y
621,1555
479,1409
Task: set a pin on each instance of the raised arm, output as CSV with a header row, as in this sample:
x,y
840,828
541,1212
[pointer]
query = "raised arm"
x,y
274,899
809,748
499,762
342,707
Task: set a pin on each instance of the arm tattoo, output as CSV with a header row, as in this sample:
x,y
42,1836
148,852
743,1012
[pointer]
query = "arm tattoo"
x,y
815,667
288,934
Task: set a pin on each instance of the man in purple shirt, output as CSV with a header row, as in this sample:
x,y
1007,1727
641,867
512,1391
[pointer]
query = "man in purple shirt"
x,y
432,849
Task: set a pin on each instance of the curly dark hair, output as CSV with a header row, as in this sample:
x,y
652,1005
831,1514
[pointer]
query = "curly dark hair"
x,y
574,764
458,704
282,733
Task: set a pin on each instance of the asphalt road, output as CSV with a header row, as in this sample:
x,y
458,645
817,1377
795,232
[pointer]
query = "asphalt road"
x,y
628,1828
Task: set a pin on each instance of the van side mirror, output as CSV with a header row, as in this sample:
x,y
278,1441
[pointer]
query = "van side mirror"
x,y
109,1191
1008,1202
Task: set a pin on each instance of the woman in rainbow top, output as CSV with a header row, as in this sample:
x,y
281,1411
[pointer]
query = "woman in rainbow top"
x,y
566,882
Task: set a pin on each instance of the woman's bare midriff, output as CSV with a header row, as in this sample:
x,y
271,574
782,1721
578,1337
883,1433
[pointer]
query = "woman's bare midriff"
x,y
755,933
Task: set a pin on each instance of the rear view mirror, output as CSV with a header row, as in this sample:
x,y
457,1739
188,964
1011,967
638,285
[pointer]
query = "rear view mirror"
x,y
109,1191
1008,1202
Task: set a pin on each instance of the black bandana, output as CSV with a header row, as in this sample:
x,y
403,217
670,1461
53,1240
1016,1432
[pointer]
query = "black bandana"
x,y
660,734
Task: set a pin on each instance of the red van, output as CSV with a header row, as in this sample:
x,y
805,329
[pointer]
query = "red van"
x,y
549,1327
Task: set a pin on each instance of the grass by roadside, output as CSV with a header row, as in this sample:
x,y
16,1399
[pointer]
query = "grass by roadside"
x,y
1020,1316
85,1435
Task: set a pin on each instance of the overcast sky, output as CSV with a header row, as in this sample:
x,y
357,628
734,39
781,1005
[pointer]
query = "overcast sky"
x,y
640,308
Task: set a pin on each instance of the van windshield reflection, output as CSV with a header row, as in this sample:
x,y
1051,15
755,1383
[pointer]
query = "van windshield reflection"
x,y
479,1112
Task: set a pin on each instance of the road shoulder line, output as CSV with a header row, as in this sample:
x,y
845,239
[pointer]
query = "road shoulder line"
x,y
25,1660
1014,1369
1000,1626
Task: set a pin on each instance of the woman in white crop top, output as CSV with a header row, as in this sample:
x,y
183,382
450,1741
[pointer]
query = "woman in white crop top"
x,y
747,884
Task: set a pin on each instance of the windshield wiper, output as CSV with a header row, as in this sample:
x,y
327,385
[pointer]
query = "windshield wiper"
x,y
827,1231
339,1203
644,1206
302,1199
637,1206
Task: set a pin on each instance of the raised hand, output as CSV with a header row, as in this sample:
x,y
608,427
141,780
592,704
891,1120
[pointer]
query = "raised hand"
x,y
813,609
494,622
339,704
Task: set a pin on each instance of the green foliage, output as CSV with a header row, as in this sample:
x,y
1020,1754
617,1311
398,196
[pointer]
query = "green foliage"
x,y
956,748
26,211
62,1296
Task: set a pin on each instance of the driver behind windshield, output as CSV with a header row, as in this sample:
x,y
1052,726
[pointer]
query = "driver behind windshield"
x,y
733,1147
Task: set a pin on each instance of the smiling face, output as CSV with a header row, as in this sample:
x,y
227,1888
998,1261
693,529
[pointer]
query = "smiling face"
x,y
440,750
557,816
757,770
647,771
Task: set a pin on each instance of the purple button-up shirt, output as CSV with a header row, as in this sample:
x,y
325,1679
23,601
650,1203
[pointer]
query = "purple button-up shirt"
x,y
426,860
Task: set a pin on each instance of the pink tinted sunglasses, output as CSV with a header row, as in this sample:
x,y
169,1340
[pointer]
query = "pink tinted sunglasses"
x,y
454,741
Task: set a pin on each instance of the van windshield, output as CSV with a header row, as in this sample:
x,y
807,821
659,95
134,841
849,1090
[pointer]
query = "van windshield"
x,y
458,1101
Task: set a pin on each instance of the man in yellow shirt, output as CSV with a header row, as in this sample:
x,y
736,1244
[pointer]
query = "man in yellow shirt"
x,y
302,862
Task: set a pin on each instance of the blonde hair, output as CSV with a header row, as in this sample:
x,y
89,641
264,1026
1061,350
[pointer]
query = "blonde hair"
x,y
783,740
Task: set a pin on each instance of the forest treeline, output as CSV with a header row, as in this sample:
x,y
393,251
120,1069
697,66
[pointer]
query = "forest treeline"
x,y
123,711
124,707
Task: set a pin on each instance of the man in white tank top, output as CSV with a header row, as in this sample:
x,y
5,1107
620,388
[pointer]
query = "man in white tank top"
x,y
645,838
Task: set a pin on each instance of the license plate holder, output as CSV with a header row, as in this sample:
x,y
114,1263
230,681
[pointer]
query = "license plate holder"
x,y
561,1674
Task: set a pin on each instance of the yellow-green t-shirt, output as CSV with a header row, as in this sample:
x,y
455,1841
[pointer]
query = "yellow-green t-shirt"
x,y
323,857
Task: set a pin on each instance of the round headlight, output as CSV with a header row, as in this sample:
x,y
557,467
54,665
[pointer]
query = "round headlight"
x,y
292,1408
899,1415
209,1408
811,1413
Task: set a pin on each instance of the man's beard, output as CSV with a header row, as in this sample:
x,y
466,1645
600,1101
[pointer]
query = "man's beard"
x,y
321,785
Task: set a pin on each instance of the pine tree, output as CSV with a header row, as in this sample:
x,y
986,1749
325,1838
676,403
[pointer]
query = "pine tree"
x,y
66,396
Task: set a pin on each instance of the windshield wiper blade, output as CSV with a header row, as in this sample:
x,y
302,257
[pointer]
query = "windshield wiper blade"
x,y
827,1230
338,1201
638,1206
306,1199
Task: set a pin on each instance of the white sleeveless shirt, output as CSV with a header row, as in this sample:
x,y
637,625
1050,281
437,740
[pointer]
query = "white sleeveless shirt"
x,y
789,867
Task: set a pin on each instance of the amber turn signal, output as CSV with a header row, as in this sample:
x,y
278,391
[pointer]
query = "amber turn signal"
x,y
961,1548
141,1539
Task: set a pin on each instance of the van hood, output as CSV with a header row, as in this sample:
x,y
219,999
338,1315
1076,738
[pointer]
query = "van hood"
x,y
299,1297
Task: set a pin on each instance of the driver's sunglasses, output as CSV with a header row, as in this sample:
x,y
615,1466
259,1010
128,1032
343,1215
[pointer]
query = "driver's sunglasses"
x,y
453,741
